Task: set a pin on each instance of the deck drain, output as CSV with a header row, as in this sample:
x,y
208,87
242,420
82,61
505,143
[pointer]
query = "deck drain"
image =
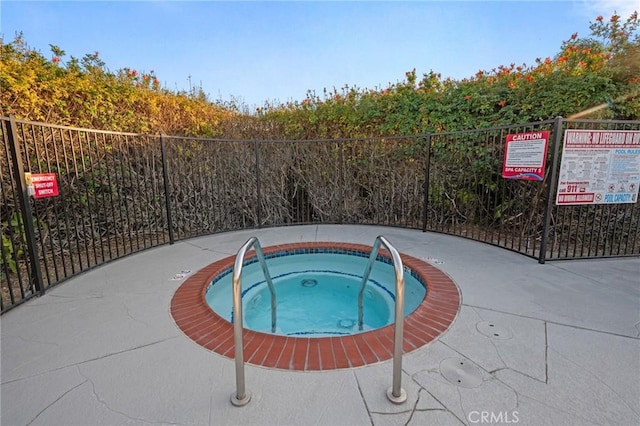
x,y
309,282
493,330
461,372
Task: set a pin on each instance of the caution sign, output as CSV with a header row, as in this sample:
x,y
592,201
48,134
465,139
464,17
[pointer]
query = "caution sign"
x,y
599,167
525,156
44,184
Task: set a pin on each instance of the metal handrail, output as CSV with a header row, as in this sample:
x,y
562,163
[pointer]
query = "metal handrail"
x,y
241,396
395,393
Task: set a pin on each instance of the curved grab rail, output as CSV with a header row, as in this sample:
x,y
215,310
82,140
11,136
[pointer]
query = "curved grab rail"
x,y
241,397
395,393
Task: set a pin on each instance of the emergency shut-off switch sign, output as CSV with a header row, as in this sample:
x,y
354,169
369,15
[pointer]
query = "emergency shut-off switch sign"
x,y
41,185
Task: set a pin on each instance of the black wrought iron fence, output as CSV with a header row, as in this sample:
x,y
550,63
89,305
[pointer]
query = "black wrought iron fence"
x,y
110,203
469,197
120,193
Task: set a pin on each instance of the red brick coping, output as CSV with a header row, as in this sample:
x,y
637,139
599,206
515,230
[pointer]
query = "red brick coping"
x,y
202,325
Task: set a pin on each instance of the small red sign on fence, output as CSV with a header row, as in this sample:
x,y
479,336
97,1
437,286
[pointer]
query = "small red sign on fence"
x,y
525,156
44,185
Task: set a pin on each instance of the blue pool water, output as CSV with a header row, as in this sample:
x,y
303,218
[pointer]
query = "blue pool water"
x,y
316,293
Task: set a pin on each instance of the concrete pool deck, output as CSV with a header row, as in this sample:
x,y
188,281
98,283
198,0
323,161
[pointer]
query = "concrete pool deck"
x,y
103,349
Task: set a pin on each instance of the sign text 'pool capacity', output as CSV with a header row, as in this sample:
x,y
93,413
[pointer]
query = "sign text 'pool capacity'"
x,y
599,167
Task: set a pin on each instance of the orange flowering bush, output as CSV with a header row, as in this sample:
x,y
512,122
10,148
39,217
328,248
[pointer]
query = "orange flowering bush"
x,y
601,68
83,93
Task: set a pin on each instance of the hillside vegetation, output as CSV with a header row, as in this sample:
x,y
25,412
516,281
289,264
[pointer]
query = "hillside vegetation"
x,y
603,67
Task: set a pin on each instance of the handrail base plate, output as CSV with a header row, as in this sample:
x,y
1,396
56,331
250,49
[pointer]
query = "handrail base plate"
x,y
396,399
240,402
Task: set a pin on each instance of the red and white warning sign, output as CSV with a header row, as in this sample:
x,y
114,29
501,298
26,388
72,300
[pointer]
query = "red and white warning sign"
x,y
599,167
525,156
43,184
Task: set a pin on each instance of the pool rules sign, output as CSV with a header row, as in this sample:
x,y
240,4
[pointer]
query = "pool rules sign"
x,y
599,167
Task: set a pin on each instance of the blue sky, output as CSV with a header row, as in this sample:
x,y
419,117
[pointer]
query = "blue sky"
x,y
276,51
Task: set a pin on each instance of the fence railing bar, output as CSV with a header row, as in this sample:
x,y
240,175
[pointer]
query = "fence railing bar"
x,y
8,256
592,219
617,228
123,202
22,148
636,234
76,175
96,238
25,206
621,235
341,181
159,199
629,232
67,185
81,171
594,238
118,172
578,234
36,168
110,232
220,213
256,150
557,142
147,192
119,232
63,170
606,247
53,165
624,235
132,201
569,228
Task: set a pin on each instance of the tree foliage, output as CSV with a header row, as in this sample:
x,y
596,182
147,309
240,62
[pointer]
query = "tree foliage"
x,y
603,68
84,93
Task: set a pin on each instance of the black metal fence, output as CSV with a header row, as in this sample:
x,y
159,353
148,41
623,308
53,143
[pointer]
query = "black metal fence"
x,y
120,193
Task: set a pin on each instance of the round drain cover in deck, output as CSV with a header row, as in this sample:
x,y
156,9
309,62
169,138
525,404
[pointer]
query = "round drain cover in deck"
x,y
461,372
493,330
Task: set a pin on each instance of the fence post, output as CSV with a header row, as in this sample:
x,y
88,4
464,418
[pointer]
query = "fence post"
x,y
167,194
25,208
256,146
341,188
425,207
557,141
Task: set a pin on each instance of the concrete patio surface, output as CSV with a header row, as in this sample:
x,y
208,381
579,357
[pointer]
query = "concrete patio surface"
x,y
103,349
